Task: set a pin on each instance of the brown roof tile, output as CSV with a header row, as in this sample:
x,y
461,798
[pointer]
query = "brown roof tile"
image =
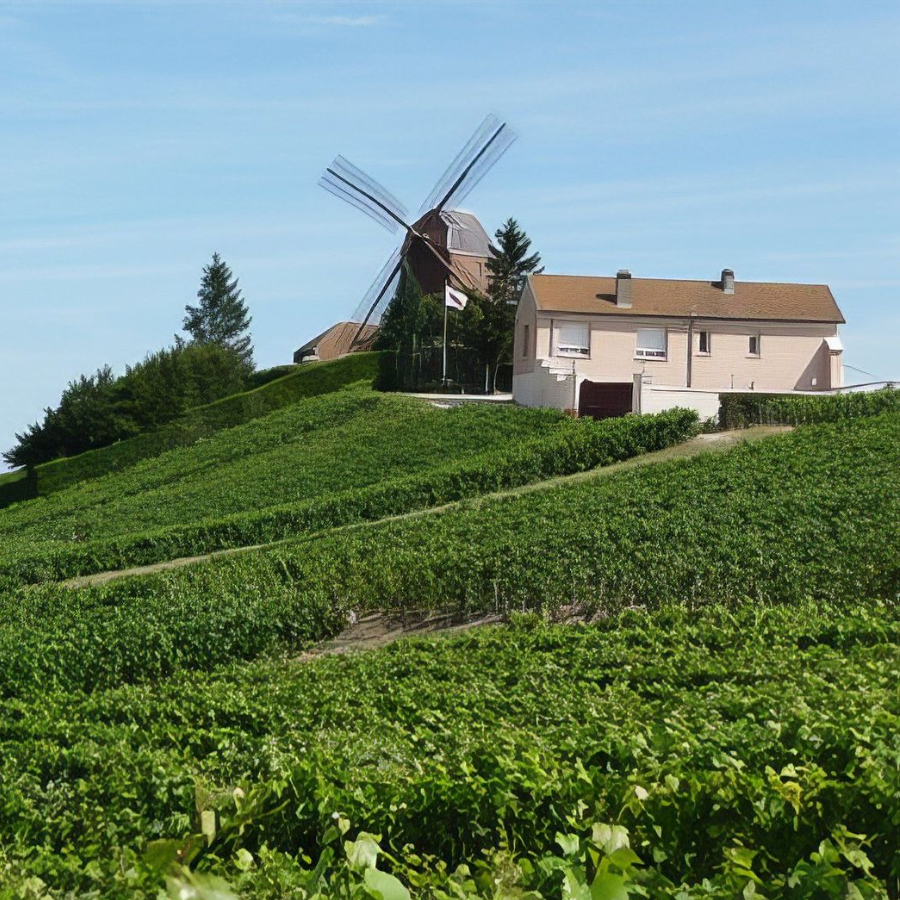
x,y
668,297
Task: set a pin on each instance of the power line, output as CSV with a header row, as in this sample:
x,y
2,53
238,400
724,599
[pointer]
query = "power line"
x,y
863,372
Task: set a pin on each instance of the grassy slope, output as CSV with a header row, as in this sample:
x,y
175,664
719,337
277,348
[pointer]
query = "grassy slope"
x,y
349,438
374,466
306,381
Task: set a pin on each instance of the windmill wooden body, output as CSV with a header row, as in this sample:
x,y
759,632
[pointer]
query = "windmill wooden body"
x,y
443,245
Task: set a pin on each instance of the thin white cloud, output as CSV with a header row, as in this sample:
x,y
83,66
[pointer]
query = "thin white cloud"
x,y
346,21
328,20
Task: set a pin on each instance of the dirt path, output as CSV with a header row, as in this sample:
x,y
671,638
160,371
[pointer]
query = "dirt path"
x,y
379,629
704,443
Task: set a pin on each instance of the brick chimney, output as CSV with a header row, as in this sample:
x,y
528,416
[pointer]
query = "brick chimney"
x,y
623,289
727,281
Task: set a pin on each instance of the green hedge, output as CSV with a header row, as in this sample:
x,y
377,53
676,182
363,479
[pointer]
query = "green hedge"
x,y
307,381
743,410
17,486
589,445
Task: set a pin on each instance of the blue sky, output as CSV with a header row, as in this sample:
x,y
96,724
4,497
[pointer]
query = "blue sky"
x,y
673,139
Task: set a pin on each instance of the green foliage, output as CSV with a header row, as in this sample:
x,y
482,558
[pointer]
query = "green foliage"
x,y
486,324
810,516
510,263
743,410
221,317
264,376
310,380
98,410
413,456
411,324
683,755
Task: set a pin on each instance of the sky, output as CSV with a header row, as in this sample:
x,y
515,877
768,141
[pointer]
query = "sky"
x,y
137,137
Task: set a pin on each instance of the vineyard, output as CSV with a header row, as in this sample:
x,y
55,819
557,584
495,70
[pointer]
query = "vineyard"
x,y
719,718
669,754
350,456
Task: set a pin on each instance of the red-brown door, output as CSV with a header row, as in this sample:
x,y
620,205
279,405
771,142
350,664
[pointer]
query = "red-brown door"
x,y
602,400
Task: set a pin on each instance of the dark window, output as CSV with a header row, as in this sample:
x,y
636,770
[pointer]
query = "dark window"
x,y
704,342
526,334
754,345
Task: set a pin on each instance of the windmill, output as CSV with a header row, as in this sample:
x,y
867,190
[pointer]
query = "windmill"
x,y
441,244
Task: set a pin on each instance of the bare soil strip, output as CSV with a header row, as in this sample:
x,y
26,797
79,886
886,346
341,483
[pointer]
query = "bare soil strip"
x,y
704,443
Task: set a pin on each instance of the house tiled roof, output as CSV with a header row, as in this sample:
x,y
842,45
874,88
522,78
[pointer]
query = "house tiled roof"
x,y
751,300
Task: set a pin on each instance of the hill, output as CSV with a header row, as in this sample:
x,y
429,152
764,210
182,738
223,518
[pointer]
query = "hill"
x,y
307,381
346,456
719,719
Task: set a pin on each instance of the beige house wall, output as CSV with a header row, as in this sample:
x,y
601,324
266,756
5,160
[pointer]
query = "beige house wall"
x,y
792,356
524,351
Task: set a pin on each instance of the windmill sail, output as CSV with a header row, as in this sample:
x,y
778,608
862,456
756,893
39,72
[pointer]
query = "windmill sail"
x,y
490,141
380,293
352,185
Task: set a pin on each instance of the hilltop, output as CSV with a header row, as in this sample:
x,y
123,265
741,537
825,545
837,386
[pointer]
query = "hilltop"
x,y
719,712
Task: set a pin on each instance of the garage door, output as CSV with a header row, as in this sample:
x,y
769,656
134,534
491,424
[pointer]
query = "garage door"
x,y
601,400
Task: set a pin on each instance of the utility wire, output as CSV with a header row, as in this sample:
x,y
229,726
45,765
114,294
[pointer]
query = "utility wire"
x,y
863,372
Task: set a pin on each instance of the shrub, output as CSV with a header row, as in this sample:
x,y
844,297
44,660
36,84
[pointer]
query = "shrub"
x,y
743,410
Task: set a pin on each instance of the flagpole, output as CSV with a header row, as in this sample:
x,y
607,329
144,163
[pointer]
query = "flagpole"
x,y
444,377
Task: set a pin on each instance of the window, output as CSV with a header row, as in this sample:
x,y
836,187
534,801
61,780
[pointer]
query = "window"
x,y
573,338
526,334
703,342
651,343
753,346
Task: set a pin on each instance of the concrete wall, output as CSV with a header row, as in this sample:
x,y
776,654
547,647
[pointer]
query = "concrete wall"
x,y
657,399
540,387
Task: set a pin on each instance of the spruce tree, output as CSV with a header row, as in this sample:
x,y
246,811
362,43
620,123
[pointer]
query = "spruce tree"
x,y
221,317
508,267
510,263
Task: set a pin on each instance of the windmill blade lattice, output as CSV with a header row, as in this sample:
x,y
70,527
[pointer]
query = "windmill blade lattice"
x,y
379,294
490,141
352,185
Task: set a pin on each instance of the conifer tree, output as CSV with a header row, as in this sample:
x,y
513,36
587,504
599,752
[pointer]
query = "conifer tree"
x,y
511,263
494,316
221,317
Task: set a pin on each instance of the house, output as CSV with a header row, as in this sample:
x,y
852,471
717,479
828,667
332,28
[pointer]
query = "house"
x,y
460,239
336,341
607,346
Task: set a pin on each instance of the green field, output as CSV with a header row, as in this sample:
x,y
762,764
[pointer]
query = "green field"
x,y
348,456
721,720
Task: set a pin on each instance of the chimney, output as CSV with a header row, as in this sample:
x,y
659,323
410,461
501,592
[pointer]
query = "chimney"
x,y
623,289
727,281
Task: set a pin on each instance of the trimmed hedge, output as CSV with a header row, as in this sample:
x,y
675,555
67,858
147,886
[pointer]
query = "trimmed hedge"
x,y
308,381
17,486
587,446
743,410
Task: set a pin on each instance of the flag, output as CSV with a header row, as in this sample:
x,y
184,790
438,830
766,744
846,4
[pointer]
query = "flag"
x,y
454,299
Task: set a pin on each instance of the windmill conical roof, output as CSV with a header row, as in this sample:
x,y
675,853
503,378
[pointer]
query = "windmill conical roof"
x,y
465,233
